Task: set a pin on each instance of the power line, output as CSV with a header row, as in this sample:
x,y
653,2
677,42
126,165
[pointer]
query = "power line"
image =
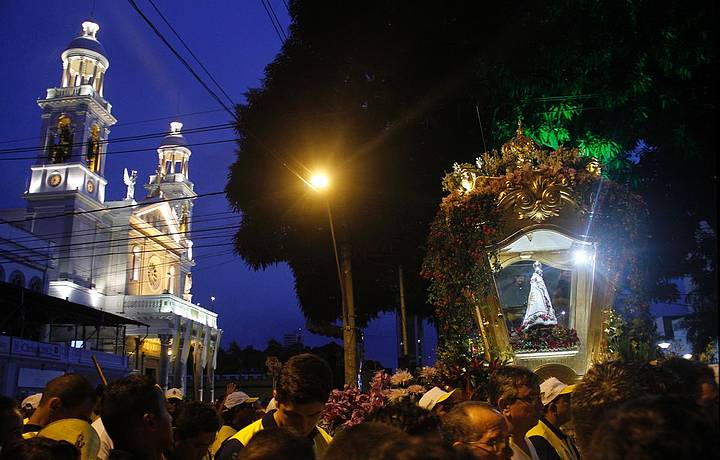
x,y
194,219
277,21
111,208
124,252
181,59
119,152
278,31
118,125
190,51
115,268
153,135
130,238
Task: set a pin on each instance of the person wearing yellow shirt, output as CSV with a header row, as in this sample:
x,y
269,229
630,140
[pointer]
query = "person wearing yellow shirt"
x,y
305,384
238,411
547,437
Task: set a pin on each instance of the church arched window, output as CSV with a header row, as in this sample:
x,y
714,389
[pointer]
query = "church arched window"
x,y
135,264
61,140
17,278
36,284
93,149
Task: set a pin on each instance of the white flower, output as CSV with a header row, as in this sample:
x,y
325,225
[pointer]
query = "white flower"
x,y
401,377
428,372
394,394
479,162
416,389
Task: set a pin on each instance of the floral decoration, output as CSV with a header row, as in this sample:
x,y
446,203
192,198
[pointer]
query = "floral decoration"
x,y
543,338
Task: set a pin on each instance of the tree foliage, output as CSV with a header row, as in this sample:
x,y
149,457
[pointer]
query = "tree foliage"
x,y
387,95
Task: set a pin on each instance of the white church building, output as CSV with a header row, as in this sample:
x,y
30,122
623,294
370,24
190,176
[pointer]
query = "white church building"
x,y
132,257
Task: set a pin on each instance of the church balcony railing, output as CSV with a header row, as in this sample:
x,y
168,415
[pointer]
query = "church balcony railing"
x,y
141,305
74,91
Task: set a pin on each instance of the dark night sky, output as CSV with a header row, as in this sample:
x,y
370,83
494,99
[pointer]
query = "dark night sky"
x,y
147,87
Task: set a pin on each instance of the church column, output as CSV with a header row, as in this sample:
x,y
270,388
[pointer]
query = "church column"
x,y
212,364
197,370
164,361
65,75
205,358
138,345
181,359
100,83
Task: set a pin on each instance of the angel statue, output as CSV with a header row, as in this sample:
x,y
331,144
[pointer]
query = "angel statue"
x,y
130,180
539,308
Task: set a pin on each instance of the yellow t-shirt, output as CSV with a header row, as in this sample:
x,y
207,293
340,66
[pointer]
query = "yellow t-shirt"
x,y
223,433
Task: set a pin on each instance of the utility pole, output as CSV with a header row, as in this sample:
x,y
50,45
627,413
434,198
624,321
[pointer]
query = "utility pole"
x,y
403,315
349,330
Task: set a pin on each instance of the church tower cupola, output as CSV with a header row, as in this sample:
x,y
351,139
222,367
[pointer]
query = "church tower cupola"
x,y
172,175
85,61
75,123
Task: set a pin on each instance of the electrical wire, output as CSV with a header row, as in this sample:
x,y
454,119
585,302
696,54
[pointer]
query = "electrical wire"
x,y
194,219
110,208
181,59
120,152
119,240
278,30
137,137
167,23
129,123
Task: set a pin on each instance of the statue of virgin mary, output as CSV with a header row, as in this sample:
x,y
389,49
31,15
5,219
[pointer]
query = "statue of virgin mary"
x,y
539,308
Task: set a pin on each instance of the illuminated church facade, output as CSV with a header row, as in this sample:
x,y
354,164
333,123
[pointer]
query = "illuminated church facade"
x,y
131,257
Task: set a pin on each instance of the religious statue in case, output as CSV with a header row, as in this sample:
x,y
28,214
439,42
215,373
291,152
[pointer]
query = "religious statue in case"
x,y
539,306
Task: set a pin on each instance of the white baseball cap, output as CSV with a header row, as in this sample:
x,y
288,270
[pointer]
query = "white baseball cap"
x,y
174,393
433,397
237,398
31,402
552,388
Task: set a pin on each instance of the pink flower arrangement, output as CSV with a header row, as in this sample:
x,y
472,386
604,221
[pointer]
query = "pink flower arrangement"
x,y
349,406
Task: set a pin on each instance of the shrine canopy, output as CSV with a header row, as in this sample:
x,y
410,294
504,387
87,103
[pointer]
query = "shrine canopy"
x,y
525,254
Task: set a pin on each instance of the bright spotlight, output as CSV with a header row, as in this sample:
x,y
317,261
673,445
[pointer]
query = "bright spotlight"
x,y
581,256
664,345
319,181
687,356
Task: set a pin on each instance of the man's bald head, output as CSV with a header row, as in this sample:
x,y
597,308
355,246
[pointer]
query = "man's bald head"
x,y
480,427
468,420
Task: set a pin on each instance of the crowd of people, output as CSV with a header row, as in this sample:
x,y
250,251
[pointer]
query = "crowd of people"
x,y
618,410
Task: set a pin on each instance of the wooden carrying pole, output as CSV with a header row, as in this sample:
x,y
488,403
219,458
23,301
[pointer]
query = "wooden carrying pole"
x,y
99,370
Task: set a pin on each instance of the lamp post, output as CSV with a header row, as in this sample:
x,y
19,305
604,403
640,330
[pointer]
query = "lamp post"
x,y
319,182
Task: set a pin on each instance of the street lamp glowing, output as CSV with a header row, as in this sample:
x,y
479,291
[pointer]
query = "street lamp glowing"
x,y
319,181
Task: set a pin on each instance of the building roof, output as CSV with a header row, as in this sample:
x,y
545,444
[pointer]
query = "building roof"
x,y
173,140
44,309
87,43
88,40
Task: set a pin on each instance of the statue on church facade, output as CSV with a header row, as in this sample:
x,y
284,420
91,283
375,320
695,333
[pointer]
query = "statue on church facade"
x,y
130,180
539,307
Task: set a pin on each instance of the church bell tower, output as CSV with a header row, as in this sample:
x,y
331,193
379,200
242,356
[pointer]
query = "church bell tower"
x,y
75,122
172,176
